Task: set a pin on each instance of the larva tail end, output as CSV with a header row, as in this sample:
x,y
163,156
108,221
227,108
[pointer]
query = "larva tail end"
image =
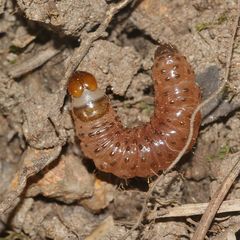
x,y
165,48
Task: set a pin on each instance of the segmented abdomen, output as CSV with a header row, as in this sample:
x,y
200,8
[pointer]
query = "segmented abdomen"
x,y
144,150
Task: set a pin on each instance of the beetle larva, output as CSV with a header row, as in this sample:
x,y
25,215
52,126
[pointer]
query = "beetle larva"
x,y
144,150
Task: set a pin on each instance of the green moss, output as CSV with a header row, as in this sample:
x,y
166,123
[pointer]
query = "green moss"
x,y
146,108
15,49
221,154
210,158
222,18
202,26
223,151
226,91
13,61
206,25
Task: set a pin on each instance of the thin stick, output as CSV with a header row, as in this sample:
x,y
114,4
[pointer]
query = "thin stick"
x,y
187,210
160,178
34,62
215,203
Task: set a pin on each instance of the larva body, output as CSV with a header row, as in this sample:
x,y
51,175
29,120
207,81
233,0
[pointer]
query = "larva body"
x,y
144,150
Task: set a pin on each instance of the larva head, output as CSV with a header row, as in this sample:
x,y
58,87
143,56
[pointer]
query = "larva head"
x,y
89,102
80,81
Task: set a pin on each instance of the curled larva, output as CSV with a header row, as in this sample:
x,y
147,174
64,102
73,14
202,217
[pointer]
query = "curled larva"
x,y
144,150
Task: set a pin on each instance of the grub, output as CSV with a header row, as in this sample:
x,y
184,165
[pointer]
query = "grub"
x,y
115,41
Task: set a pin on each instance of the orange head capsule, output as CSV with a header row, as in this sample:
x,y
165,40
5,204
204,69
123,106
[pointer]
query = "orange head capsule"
x,y
80,80
88,101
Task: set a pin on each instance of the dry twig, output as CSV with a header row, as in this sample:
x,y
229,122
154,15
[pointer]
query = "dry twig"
x,y
216,201
34,62
193,209
218,91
